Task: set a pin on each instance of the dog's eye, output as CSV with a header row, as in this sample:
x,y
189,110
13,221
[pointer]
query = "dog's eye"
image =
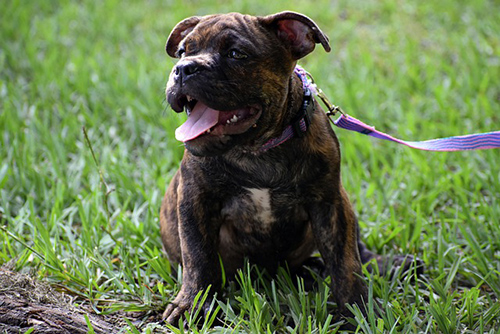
x,y
235,54
181,52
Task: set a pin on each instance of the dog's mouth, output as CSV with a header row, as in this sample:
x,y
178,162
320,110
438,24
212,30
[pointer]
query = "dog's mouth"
x,y
205,121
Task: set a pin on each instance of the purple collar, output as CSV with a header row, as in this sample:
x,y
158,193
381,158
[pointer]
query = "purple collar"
x,y
299,125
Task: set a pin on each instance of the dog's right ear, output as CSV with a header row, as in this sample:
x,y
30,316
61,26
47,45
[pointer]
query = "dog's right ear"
x,y
181,30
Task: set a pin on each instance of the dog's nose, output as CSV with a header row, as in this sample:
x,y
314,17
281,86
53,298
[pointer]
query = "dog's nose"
x,y
185,69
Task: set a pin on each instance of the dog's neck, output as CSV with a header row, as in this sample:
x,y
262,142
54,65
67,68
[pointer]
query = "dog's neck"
x,y
299,123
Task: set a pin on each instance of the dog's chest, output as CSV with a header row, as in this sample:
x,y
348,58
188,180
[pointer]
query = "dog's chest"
x,y
260,200
266,225
250,210
263,211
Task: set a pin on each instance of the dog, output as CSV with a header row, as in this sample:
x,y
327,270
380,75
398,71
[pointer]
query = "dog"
x,y
260,177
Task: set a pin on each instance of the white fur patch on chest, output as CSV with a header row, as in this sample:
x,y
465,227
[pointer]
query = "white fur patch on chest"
x,y
261,198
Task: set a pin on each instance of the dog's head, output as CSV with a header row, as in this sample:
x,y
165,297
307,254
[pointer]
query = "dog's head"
x,y
233,75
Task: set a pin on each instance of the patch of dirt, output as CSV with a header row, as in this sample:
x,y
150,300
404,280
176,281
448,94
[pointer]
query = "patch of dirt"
x,y
26,302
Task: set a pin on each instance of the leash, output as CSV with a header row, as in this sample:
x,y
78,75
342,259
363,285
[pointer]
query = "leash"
x,y
477,141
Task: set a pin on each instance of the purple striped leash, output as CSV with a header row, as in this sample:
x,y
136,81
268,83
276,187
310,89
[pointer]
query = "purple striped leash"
x,y
477,141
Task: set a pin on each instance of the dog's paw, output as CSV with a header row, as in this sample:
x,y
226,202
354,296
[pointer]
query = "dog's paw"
x,y
175,310
185,302
312,269
404,265
399,265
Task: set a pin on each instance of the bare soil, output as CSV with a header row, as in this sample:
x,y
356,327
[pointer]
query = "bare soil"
x,y
26,302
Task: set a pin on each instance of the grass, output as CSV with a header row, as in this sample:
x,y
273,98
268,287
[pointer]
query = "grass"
x,y
420,70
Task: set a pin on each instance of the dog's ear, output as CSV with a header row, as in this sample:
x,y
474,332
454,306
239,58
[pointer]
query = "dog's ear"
x,y
181,30
298,31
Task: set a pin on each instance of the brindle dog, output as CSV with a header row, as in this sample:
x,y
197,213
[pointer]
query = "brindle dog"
x,y
231,198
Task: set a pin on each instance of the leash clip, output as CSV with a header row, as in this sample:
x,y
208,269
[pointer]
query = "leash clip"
x,y
332,109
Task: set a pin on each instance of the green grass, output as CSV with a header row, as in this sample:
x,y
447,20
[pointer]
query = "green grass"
x,y
419,70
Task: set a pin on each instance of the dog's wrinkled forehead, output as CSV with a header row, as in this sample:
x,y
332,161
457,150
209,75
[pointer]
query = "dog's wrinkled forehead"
x,y
217,32
223,22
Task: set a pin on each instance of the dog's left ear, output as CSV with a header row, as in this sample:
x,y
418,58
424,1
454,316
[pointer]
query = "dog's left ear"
x,y
298,31
181,30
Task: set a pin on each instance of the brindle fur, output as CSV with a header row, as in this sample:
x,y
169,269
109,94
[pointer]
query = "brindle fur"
x,y
231,200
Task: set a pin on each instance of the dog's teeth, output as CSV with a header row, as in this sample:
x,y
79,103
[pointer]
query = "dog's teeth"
x,y
233,119
208,131
189,98
254,126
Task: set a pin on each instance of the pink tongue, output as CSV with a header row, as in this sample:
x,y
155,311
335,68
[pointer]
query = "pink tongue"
x,y
201,119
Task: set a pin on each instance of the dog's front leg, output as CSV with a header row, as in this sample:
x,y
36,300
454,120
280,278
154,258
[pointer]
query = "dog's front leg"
x,y
198,228
335,231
